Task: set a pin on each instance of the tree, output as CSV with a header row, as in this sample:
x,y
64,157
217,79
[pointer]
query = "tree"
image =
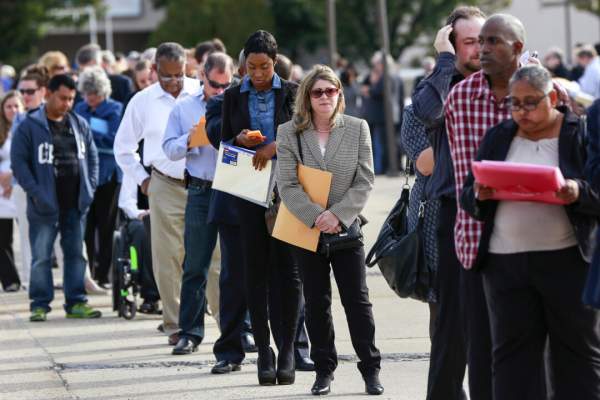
x,y
592,6
24,22
357,30
191,21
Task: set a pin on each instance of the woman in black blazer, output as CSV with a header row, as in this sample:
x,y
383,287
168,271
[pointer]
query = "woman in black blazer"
x,y
262,101
534,256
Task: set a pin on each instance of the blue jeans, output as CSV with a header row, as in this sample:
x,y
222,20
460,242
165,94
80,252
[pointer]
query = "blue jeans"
x,y
42,236
379,149
200,238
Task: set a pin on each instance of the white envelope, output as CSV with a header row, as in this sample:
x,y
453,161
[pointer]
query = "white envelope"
x,y
236,175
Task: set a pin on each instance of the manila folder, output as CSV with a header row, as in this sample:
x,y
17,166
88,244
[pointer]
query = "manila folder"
x,y
199,137
288,228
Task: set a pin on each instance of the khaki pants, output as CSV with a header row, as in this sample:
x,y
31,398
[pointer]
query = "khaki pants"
x,y
167,212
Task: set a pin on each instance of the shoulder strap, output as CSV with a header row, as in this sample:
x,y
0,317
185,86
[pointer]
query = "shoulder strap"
x,y
299,147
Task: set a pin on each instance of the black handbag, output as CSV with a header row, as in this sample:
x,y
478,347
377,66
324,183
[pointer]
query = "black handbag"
x,y
400,254
346,239
350,237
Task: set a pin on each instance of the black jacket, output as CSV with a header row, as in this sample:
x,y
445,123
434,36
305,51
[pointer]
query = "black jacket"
x,y
222,208
572,156
236,115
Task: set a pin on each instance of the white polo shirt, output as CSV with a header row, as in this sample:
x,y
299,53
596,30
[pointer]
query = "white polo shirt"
x,y
146,118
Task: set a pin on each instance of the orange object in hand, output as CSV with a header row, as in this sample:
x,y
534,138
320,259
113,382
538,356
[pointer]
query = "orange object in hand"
x,y
255,135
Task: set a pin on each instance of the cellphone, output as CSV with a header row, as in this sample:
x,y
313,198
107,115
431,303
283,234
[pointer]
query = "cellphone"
x,y
524,59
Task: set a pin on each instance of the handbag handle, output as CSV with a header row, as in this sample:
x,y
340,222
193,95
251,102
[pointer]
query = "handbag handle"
x,y
300,147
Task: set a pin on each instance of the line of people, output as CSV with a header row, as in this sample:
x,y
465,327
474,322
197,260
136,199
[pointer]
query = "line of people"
x,y
510,275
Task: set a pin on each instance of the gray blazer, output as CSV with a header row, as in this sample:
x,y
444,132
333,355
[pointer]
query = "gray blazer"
x,y
348,157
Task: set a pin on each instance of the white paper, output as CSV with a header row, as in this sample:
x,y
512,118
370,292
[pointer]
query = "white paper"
x,y
236,175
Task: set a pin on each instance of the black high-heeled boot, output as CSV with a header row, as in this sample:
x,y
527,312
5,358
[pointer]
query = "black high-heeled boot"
x,y
286,368
266,366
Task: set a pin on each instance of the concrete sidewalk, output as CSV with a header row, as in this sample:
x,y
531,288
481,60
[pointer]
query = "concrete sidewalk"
x,y
111,358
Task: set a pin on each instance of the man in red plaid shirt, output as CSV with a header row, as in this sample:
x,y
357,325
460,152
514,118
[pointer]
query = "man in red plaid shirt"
x,y
475,105
472,107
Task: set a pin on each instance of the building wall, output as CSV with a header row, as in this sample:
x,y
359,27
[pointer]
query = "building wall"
x,y
546,26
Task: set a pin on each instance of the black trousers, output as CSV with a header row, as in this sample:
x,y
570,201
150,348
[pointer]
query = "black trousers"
x,y
232,298
301,346
532,296
99,229
448,358
349,271
8,271
139,236
263,257
478,334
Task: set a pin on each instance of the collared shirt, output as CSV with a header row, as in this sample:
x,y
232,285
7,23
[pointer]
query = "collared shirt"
x,y
590,81
261,107
470,110
128,197
200,162
146,118
428,106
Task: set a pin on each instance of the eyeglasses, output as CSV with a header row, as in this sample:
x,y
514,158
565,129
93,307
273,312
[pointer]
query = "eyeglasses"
x,y
217,85
528,105
329,92
28,92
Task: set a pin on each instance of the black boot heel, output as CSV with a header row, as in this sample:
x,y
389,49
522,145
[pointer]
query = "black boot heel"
x,y
266,367
286,369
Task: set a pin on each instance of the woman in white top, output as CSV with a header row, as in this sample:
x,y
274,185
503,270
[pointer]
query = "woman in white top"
x,y
535,256
10,106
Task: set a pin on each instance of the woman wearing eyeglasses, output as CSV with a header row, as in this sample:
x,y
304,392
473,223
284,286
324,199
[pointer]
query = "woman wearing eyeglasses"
x,y
340,144
262,101
535,256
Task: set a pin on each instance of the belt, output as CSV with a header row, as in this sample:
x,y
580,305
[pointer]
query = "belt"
x,y
176,181
199,183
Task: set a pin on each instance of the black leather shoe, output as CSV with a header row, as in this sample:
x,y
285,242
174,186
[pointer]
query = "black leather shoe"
x,y
225,367
248,343
184,346
266,367
322,385
286,372
372,385
304,364
149,307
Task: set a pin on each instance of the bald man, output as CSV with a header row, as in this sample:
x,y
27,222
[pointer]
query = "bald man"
x,y
472,107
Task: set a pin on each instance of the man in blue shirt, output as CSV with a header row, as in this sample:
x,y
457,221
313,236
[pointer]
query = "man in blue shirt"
x,y
199,236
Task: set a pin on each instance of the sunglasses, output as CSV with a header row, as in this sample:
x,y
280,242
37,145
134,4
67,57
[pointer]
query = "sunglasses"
x,y
329,92
29,92
216,85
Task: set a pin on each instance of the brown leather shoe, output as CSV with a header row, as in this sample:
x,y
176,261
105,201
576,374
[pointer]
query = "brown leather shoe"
x,y
173,339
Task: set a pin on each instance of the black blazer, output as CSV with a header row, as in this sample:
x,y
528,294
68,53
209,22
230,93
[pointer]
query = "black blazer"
x,y
236,116
572,156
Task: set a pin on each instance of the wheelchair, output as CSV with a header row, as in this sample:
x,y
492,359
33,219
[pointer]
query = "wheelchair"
x,y
126,279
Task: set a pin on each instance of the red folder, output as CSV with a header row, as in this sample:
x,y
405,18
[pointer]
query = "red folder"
x,y
520,181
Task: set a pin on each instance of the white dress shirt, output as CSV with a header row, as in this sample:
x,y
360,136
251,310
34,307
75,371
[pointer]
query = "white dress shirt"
x,y
128,199
146,118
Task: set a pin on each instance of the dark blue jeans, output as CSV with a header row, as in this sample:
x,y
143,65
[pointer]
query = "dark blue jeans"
x,y
42,236
200,238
